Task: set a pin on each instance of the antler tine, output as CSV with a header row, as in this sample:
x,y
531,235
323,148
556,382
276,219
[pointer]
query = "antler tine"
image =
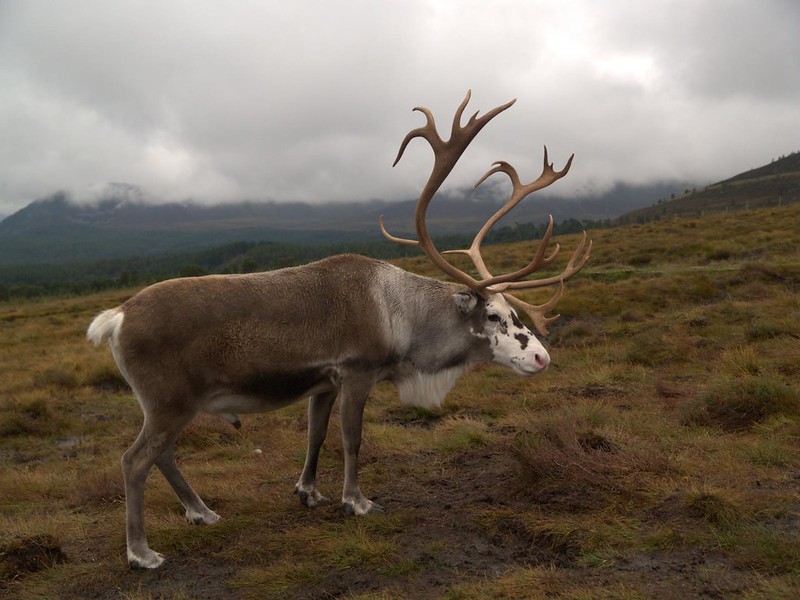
x,y
392,238
519,192
474,250
537,312
459,113
501,166
576,262
428,131
451,150
539,259
446,155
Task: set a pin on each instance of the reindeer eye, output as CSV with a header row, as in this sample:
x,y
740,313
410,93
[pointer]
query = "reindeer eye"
x,y
494,318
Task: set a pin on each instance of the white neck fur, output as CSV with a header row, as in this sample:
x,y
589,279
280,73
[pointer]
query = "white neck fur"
x,y
427,390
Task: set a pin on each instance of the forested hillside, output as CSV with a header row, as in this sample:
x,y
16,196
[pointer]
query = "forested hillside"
x,y
57,246
775,184
58,230
35,280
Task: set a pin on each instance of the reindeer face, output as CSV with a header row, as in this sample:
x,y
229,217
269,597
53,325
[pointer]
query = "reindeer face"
x,y
512,344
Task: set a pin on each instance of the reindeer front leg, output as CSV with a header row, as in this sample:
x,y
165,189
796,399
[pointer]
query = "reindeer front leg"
x,y
319,412
354,396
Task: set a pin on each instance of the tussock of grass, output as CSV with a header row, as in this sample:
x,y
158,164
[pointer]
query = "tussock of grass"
x,y
352,546
101,485
784,273
519,582
549,541
741,361
578,452
362,550
769,327
58,377
34,485
408,439
574,333
414,415
785,587
774,451
206,431
737,403
656,348
640,260
276,579
775,443
106,377
33,415
713,508
768,550
462,433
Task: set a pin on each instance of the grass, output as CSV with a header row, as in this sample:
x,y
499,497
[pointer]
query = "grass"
x,y
658,456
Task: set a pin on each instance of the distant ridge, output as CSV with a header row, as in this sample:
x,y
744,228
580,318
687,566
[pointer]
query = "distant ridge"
x,y
774,184
57,246
57,230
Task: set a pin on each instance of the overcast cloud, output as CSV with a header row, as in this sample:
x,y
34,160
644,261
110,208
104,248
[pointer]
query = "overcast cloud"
x,y
220,101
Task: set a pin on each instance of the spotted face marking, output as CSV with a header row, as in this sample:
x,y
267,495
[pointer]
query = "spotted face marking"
x,y
522,339
512,344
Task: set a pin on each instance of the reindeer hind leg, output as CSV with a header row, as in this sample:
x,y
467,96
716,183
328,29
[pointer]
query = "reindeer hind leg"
x,y
197,512
156,437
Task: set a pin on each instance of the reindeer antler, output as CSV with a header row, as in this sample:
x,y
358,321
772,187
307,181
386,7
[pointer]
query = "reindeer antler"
x,y
446,155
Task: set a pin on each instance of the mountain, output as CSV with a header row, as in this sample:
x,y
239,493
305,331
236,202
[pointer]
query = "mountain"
x,y
770,185
59,230
121,224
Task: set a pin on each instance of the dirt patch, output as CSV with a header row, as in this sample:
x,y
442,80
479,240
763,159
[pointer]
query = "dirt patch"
x,y
446,537
462,519
464,524
405,416
690,573
29,555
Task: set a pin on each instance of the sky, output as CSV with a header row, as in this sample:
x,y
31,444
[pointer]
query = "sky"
x,y
309,100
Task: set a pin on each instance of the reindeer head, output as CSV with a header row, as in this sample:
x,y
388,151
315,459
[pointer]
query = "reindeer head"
x,y
511,343
499,335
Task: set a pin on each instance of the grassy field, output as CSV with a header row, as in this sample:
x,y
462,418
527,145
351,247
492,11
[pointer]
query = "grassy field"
x,y
658,457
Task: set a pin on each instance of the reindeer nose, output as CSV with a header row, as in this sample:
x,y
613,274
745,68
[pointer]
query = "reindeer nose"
x,y
542,360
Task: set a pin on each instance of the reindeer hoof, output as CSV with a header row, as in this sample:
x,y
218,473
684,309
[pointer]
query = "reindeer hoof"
x,y
145,560
361,507
310,497
206,517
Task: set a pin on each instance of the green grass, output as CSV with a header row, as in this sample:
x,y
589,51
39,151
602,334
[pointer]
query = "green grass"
x,y
660,452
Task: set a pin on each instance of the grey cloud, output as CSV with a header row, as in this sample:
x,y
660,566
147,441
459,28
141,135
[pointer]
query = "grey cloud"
x,y
310,100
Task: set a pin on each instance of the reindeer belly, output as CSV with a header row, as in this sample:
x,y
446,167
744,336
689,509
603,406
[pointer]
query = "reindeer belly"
x,y
264,392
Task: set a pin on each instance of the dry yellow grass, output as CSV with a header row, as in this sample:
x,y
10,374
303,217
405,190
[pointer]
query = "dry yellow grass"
x,y
657,457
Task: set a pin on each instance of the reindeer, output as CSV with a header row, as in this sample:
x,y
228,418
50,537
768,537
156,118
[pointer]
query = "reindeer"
x,y
229,344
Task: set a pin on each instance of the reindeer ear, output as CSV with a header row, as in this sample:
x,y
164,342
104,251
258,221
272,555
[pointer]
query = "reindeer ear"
x,y
466,301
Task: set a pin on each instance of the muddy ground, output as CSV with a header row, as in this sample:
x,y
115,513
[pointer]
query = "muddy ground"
x,y
449,508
